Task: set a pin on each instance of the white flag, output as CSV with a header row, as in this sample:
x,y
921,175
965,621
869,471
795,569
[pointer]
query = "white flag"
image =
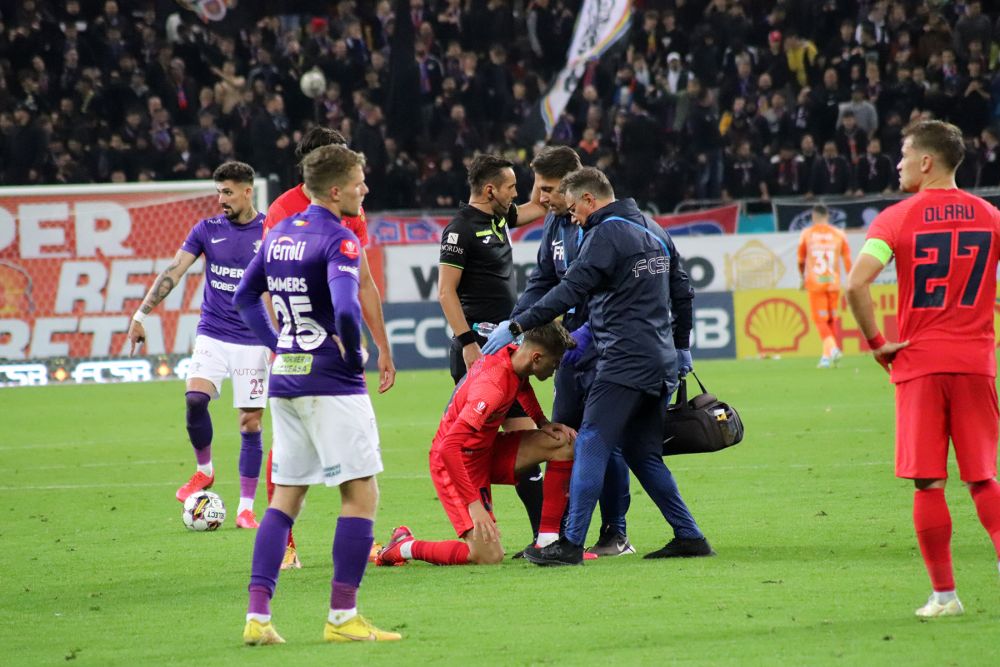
x,y
600,24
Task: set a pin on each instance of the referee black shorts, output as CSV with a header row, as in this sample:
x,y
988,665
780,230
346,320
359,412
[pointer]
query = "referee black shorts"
x,y
457,367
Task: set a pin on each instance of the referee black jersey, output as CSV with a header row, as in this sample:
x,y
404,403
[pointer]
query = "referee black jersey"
x,y
479,244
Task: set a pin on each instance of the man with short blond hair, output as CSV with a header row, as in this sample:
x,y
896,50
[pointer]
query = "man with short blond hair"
x,y
324,425
946,245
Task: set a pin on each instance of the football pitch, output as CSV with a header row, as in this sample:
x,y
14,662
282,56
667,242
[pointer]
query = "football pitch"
x,y
817,561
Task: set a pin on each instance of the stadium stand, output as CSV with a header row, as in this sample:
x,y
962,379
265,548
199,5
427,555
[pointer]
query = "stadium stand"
x,y
149,90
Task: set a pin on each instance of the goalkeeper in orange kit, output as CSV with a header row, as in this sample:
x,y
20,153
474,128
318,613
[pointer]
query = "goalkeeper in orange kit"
x,y
822,247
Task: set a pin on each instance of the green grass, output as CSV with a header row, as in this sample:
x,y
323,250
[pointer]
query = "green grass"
x,y
817,560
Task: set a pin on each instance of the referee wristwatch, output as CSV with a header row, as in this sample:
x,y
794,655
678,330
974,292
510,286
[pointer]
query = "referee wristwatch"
x,y
515,329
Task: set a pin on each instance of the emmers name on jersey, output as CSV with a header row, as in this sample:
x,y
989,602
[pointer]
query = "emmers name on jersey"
x,y
293,284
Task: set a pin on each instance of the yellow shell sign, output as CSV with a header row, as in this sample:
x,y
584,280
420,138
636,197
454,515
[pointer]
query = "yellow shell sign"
x,y
778,322
776,326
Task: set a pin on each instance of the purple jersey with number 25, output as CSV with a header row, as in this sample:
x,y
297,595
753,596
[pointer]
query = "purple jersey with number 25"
x,y
310,264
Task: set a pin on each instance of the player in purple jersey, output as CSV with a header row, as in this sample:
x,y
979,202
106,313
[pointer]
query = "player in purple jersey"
x,y
324,425
224,346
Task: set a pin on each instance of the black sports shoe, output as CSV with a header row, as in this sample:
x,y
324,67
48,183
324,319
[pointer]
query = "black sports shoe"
x,y
561,552
611,543
520,554
683,547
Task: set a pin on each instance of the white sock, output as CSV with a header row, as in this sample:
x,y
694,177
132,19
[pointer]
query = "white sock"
x,y
406,549
206,469
341,616
545,539
944,597
260,618
245,504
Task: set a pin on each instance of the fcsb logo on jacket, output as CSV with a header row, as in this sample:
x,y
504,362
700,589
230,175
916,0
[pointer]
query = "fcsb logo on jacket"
x,y
654,265
349,249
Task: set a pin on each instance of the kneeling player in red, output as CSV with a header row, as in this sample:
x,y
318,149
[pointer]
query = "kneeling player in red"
x,y
468,455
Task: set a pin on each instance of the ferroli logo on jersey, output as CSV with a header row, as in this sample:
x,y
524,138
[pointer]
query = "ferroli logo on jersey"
x,y
286,249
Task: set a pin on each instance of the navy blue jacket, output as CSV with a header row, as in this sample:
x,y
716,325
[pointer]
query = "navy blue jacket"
x,y
561,242
630,270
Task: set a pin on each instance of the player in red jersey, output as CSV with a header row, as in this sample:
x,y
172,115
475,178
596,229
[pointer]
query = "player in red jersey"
x,y
468,455
295,201
946,243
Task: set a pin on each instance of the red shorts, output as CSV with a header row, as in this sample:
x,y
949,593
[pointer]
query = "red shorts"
x,y
490,465
933,408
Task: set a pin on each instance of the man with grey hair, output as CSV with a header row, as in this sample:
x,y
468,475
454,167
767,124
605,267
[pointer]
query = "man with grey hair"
x,y
629,273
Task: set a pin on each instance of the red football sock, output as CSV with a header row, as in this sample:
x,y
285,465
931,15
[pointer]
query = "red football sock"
x,y
447,552
267,467
555,487
986,495
933,524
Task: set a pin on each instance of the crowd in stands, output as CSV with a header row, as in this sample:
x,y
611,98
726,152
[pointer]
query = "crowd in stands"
x,y
717,99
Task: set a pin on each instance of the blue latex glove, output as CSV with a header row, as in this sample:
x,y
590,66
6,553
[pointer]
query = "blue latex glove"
x,y
499,339
584,339
684,362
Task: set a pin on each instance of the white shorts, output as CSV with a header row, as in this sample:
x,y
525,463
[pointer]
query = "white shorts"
x,y
214,360
324,440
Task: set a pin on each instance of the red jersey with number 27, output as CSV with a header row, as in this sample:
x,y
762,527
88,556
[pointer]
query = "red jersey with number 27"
x,y
295,201
947,245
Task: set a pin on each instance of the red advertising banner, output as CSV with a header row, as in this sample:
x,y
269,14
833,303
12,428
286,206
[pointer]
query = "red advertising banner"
x,y
75,263
404,229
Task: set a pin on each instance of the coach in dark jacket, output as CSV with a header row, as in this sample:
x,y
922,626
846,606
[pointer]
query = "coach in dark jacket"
x,y
628,273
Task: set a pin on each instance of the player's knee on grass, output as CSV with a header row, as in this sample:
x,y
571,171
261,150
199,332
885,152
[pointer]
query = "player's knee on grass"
x,y
250,420
484,553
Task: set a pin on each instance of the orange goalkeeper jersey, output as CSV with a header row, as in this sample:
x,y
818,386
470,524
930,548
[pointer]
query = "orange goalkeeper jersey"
x,y
822,247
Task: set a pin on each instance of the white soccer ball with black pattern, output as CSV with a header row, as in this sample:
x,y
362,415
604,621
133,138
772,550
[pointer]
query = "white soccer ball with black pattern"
x,y
204,510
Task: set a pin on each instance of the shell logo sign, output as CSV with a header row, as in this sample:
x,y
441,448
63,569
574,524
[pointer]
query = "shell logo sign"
x,y
776,326
754,266
777,322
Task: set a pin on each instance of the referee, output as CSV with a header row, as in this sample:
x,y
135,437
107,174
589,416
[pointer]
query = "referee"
x,y
477,285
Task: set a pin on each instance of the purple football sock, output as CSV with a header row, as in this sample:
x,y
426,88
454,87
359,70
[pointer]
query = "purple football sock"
x,y
251,454
199,425
268,550
351,545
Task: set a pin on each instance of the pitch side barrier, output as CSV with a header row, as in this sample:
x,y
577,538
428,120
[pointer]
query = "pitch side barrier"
x,y
793,214
76,262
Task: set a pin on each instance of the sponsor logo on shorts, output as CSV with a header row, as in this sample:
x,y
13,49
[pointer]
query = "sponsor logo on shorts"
x,y
292,364
331,471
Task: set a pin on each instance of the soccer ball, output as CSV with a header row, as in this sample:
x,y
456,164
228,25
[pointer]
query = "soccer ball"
x,y
313,83
203,510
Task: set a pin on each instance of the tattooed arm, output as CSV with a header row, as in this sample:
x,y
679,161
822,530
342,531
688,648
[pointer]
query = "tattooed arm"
x,y
162,286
